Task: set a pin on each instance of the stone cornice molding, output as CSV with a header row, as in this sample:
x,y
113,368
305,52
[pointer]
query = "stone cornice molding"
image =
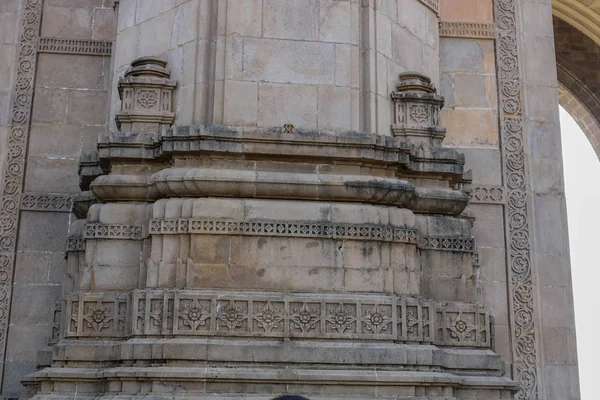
x,y
468,29
252,183
75,46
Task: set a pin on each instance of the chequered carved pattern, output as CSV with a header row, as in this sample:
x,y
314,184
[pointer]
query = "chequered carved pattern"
x,y
75,46
46,202
487,194
376,232
112,231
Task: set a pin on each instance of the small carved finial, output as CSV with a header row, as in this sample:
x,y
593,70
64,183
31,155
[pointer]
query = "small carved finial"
x,y
289,128
417,110
146,96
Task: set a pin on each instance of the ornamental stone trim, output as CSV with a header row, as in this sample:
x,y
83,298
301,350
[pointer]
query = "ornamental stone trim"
x,y
521,298
156,312
448,243
75,46
432,4
376,232
468,29
487,194
46,202
75,245
112,231
14,171
97,315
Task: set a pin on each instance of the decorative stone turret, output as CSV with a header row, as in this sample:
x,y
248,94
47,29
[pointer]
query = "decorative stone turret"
x,y
417,110
146,94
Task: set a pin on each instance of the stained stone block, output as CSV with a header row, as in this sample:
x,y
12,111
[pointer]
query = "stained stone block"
x,y
470,127
559,346
280,19
241,103
50,105
557,306
43,231
55,140
47,175
407,50
31,306
287,104
489,218
149,9
28,338
459,55
245,18
104,24
69,23
186,24
283,61
7,56
335,21
155,35
335,111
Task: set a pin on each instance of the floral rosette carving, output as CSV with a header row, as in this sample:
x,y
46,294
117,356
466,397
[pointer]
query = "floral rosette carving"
x,y
305,318
232,316
341,318
268,317
377,320
194,315
98,317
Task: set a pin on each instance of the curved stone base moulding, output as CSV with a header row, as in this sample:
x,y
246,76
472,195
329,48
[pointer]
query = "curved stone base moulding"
x,y
214,182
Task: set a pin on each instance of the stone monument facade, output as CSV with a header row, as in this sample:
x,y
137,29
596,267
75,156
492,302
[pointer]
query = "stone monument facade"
x,y
242,198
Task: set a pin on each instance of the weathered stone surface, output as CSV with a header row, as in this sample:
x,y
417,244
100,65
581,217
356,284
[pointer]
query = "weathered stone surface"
x,y
282,231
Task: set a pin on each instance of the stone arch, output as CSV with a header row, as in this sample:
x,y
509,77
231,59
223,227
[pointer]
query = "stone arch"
x,y
577,58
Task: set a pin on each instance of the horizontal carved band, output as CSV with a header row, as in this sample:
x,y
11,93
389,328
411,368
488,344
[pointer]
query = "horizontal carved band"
x,y
75,46
277,315
487,194
46,202
75,244
448,243
112,231
387,233
432,4
466,29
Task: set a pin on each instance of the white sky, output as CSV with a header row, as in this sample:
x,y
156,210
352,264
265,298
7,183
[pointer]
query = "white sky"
x,y
582,168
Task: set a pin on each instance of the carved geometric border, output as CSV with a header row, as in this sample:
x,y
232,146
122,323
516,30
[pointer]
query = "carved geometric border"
x,y
377,232
185,313
46,202
468,29
15,159
524,340
487,194
112,231
75,46
432,4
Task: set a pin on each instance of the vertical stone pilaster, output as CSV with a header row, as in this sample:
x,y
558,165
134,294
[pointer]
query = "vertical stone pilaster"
x,y
521,291
15,160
